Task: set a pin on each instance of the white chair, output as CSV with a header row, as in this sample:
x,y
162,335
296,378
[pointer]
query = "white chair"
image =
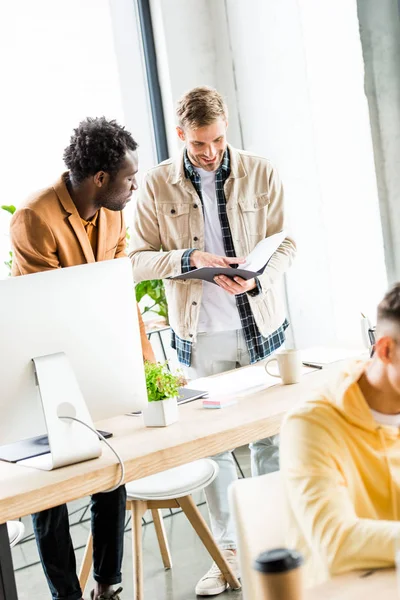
x,y
16,530
258,509
169,489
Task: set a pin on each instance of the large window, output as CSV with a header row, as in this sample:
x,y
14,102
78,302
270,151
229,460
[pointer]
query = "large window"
x,y
66,60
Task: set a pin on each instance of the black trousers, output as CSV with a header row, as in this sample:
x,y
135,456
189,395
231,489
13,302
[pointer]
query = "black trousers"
x,y
56,552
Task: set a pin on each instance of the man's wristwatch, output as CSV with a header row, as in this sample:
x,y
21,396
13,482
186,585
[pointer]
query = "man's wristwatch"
x,y
255,291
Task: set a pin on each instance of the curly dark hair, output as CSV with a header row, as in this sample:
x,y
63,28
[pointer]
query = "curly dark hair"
x,y
389,308
97,145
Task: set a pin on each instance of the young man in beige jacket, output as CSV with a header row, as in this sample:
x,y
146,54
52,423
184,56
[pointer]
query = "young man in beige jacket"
x,y
210,207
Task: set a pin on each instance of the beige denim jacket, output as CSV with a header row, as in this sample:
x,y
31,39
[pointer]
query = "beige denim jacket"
x,y
168,220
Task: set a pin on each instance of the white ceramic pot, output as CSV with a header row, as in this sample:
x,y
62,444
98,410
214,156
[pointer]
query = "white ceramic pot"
x,y
161,413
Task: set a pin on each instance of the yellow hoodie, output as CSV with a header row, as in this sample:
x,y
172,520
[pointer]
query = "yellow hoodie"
x,y
341,472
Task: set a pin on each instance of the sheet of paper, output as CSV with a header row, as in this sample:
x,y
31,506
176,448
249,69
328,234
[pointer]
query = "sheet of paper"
x,y
240,382
258,258
322,355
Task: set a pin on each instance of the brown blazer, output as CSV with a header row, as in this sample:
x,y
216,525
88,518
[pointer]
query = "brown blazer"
x,y
47,233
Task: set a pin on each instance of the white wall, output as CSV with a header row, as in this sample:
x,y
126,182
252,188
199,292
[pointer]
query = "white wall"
x,y
300,93
294,74
298,69
192,43
60,67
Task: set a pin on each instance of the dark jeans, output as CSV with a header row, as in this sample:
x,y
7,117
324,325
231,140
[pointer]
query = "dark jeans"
x,y
56,551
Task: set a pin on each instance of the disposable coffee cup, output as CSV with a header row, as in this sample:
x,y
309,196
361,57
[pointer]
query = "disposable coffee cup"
x,y
279,575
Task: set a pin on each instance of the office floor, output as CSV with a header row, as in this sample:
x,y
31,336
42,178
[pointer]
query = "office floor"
x,y
190,559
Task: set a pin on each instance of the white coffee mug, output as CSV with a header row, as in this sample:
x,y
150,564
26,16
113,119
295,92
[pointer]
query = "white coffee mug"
x,y
289,365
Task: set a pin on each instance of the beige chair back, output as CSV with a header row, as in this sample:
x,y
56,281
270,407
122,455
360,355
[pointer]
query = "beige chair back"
x,y
258,508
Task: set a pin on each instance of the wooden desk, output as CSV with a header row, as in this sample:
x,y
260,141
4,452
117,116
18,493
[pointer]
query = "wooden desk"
x,y
353,586
145,451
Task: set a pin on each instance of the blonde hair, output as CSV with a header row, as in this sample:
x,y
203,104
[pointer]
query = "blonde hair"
x,y
199,107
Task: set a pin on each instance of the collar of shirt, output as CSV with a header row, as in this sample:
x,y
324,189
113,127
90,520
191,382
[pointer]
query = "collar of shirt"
x,y
191,173
384,419
92,221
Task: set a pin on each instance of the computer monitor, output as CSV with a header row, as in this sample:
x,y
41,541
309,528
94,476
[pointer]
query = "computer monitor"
x,y
75,332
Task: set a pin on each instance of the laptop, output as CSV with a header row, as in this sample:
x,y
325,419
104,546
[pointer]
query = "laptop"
x,y
188,395
185,395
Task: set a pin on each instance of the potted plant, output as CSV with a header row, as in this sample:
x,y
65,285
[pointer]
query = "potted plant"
x,y
162,392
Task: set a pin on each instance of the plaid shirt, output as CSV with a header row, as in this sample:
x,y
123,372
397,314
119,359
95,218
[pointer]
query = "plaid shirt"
x,y
259,347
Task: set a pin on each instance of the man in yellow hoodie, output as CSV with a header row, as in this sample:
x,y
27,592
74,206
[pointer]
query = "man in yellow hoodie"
x,y
340,461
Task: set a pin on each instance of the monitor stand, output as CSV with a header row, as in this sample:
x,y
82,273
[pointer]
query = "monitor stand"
x,y
70,442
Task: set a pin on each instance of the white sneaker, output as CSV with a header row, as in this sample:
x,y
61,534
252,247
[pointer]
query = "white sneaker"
x,y
214,582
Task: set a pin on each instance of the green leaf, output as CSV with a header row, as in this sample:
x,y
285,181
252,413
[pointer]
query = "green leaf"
x,y
8,263
154,289
141,290
10,208
160,382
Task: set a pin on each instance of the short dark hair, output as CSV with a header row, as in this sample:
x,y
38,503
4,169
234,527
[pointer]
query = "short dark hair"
x,y
389,307
97,145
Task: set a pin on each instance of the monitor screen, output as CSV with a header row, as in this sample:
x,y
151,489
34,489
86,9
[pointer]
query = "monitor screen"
x,y
87,312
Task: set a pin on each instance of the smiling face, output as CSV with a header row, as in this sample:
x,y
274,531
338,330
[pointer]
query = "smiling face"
x,y
205,145
116,190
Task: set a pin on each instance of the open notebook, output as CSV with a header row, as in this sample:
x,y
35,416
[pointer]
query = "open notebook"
x,y
255,263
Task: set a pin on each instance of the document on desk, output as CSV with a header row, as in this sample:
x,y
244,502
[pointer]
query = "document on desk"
x,y
240,382
322,355
255,263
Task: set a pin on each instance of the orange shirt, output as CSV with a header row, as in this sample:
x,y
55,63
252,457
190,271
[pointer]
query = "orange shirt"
x,y
92,231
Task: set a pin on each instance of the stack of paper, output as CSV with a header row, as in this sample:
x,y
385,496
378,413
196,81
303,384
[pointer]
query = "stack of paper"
x,y
239,382
221,402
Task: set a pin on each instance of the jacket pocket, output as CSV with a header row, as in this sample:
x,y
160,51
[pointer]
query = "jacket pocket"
x,y
255,212
269,309
174,220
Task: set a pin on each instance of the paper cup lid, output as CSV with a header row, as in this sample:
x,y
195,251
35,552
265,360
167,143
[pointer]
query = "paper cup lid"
x,y
278,561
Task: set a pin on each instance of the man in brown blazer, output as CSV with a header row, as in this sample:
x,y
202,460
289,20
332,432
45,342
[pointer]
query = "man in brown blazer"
x,y
79,220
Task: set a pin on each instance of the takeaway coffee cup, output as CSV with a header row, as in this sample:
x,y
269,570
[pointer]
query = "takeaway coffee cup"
x,y
289,366
279,575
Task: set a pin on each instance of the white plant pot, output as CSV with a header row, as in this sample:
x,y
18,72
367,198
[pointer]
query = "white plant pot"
x,y
161,413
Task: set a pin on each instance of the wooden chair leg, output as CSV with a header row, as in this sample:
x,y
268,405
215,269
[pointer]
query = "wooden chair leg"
x,y
138,508
86,565
162,538
200,526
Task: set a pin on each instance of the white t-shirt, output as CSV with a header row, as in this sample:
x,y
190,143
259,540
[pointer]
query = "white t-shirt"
x,y
218,311
383,419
